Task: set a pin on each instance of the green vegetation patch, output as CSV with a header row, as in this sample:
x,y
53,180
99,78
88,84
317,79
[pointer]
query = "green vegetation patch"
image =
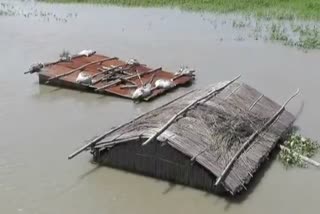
x,y
280,9
307,37
298,145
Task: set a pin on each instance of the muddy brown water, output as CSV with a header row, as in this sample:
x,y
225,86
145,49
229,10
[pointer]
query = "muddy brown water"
x,y
41,125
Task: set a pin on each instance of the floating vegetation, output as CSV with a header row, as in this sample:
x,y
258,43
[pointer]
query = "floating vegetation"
x,y
296,145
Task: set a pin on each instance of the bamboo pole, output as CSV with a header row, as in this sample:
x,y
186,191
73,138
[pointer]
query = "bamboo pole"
x,y
128,81
163,128
128,78
108,70
255,102
99,138
79,68
252,138
107,75
114,142
139,78
151,79
304,158
180,75
201,152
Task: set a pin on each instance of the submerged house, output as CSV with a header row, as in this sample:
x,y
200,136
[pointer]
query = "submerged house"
x,y
213,139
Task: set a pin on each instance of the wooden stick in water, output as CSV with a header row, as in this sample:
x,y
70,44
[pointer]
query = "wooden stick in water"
x,y
252,138
163,128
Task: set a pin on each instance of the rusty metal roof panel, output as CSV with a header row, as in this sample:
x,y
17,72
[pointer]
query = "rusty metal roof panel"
x,y
109,76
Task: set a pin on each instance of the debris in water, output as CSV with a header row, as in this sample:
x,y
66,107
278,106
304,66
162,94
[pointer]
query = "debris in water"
x,y
298,145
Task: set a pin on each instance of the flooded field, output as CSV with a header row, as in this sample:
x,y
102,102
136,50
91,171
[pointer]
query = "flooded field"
x,y
41,125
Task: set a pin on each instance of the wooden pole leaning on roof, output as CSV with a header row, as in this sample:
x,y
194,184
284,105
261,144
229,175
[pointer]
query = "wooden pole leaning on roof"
x,y
99,138
107,71
165,126
80,68
128,78
252,138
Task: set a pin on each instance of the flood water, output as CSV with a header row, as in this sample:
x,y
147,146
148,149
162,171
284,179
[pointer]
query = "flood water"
x,y
41,125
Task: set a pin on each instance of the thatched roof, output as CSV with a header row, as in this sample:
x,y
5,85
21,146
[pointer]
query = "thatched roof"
x,y
212,131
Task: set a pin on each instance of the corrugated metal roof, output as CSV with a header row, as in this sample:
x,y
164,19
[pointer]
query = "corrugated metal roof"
x,y
110,76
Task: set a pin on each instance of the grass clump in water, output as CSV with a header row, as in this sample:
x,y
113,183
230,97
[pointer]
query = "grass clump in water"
x,y
309,38
298,145
278,33
239,24
305,37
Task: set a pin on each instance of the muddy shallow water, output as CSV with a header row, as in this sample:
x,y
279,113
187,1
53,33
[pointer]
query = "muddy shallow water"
x,y
41,125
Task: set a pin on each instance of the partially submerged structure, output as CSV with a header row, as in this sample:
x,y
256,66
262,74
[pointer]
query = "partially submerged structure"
x,y
207,137
92,72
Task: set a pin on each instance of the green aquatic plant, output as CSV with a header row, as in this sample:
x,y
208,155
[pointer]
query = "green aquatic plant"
x,y
309,38
238,24
278,33
296,145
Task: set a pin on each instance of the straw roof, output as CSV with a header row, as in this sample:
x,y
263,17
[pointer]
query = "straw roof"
x,y
212,131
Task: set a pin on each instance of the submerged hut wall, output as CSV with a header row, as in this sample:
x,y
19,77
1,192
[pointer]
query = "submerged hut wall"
x,y
203,141
159,160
